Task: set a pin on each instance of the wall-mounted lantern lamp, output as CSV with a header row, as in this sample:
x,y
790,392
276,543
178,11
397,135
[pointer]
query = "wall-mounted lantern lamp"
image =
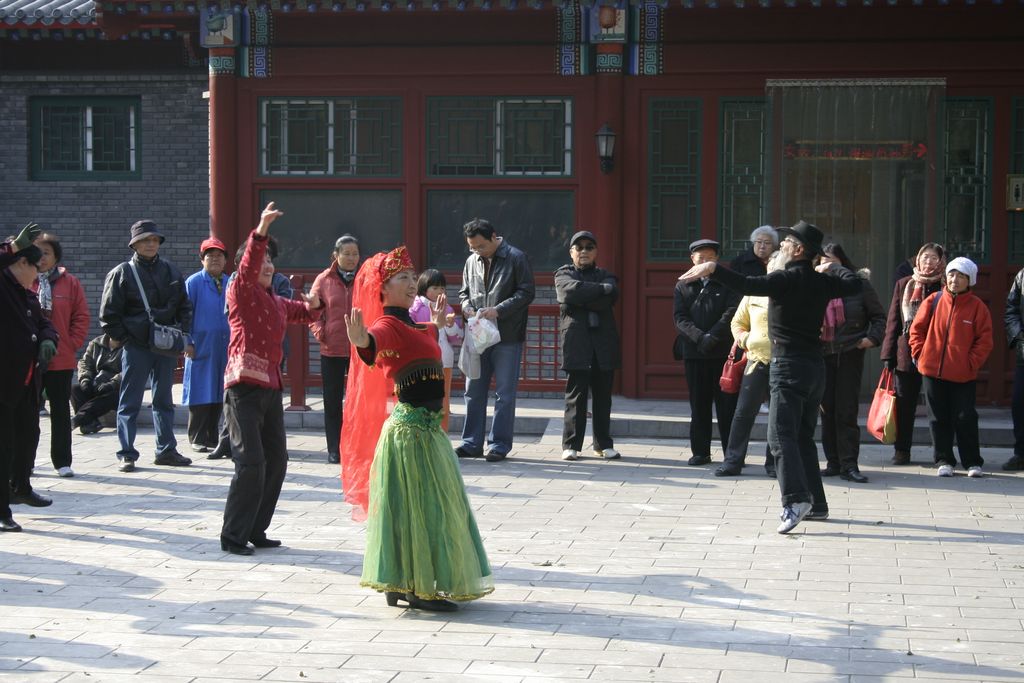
x,y
606,148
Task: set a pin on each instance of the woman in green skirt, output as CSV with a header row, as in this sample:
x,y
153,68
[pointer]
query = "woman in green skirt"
x,y
400,471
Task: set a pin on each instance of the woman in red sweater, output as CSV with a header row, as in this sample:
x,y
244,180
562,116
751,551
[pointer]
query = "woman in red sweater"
x,y
950,339
63,301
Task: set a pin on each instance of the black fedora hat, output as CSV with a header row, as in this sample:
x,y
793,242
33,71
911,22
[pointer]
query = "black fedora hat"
x,y
809,235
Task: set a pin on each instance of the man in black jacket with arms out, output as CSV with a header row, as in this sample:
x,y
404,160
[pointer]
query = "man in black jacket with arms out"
x,y
798,297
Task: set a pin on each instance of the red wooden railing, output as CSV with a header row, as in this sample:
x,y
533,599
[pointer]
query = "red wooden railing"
x,y
539,369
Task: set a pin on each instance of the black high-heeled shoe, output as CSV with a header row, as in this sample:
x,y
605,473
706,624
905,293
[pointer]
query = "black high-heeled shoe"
x,y
413,602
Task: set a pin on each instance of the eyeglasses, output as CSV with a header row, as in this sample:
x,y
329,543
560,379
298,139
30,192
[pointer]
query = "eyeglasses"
x,y
764,243
585,247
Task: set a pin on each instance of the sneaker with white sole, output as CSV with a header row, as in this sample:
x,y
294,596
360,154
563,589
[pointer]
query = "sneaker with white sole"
x,y
570,454
65,472
607,454
792,515
975,472
945,471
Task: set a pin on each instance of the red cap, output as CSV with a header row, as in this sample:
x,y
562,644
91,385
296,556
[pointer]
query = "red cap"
x,y
212,243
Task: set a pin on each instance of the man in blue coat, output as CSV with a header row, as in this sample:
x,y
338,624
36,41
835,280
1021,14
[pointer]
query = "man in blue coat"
x,y
203,390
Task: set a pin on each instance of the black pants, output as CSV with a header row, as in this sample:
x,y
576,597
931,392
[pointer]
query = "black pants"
x,y
797,383
204,423
578,386
753,392
19,438
57,384
908,389
334,370
702,380
1017,410
840,433
255,419
90,405
951,413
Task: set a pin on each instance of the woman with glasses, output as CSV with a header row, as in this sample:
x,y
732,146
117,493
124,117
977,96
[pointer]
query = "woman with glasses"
x,y
763,243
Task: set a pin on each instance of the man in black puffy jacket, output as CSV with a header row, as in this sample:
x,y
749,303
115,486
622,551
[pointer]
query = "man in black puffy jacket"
x,y
99,383
703,310
123,316
1013,317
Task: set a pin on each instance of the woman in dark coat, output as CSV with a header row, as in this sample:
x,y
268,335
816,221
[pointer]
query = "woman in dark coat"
x,y
28,341
754,261
910,291
852,325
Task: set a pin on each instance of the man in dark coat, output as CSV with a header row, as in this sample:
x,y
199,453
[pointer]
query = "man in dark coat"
x,y
124,318
99,383
29,341
703,310
590,345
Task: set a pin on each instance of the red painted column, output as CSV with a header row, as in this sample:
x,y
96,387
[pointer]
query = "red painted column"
x,y
223,146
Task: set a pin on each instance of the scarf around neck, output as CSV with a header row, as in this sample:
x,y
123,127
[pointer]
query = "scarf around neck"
x,y
915,292
45,292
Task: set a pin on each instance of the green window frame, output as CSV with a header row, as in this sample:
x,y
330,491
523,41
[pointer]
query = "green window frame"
x,y
743,188
499,136
1016,222
673,177
330,136
967,177
94,138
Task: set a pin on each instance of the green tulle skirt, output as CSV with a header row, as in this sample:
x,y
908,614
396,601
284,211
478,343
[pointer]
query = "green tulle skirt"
x,y
421,536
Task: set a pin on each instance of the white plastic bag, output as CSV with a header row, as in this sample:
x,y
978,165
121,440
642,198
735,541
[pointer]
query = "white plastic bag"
x,y
483,332
469,359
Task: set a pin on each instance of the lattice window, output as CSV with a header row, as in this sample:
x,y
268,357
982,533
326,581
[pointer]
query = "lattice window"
x,y
486,136
673,206
93,138
743,200
359,136
967,149
1017,166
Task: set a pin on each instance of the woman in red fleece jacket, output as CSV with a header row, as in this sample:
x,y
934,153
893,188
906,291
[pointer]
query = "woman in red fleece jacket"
x,y
950,339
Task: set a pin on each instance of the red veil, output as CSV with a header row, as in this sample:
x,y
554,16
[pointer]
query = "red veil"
x,y
367,392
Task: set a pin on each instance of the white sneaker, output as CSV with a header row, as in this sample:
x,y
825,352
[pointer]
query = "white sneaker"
x,y
608,454
975,472
65,472
570,454
793,515
945,471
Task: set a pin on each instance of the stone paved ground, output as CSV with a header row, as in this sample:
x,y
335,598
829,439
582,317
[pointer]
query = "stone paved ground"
x,y
637,570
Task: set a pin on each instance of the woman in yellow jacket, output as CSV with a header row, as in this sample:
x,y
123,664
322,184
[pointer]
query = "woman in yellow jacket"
x,y
750,330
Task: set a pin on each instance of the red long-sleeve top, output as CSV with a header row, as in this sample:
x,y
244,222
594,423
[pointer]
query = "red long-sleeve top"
x,y
258,320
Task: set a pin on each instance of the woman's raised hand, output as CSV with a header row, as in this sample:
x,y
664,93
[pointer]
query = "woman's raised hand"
x,y
311,299
437,311
356,329
269,215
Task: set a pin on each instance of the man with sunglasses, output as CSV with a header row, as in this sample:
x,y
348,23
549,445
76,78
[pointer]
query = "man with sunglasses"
x,y
590,345
798,295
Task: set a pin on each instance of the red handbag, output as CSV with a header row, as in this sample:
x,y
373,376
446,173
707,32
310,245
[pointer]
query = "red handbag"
x,y
732,371
882,414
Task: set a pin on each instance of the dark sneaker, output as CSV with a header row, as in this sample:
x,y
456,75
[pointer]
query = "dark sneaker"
x,y
696,460
333,458
1014,464
725,470
816,515
172,459
91,427
494,456
127,466
199,448
464,452
900,458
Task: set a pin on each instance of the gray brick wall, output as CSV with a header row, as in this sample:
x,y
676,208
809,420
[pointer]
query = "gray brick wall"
x,y
92,218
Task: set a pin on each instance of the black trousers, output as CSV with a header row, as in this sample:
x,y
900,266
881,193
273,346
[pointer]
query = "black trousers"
x,y
753,392
702,380
908,390
19,438
255,419
57,384
204,424
92,406
334,370
797,383
1017,410
840,433
579,385
951,413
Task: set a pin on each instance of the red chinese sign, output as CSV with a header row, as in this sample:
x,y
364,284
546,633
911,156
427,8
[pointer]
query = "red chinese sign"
x,y
845,151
